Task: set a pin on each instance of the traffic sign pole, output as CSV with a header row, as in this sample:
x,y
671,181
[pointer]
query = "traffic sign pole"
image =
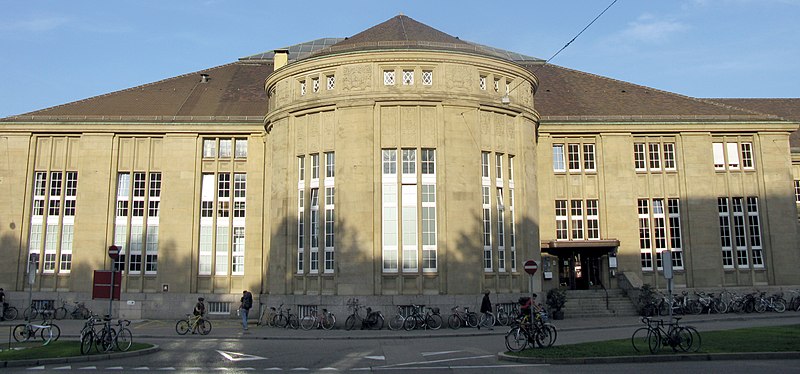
x,y
113,253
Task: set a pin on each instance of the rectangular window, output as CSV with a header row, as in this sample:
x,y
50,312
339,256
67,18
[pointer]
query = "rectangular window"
x,y
669,156
659,230
315,166
501,232
330,165
592,220
206,249
561,220
221,249
388,77
329,229
409,162
719,156
574,157
408,77
302,88
747,155
654,155
390,227
576,217
67,236
558,158
136,246
498,167
314,85
427,77
485,165
314,214
209,148
428,164
331,82
639,161
238,251
733,156
241,148
588,157
151,250
429,255
754,232
482,83
225,148
389,162
409,227
645,245
496,85
725,232
797,191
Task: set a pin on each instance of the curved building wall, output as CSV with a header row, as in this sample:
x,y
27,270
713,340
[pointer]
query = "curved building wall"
x,y
420,206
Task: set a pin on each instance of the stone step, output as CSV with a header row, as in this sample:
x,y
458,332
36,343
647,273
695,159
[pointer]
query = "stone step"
x,y
592,303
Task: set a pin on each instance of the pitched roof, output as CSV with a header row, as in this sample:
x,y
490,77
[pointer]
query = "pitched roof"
x,y
565,93
788,108
403,32
235,89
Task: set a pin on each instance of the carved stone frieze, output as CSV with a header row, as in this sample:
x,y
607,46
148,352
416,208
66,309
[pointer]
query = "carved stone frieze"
x,y
356,78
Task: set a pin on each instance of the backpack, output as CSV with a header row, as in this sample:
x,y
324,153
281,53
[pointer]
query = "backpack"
x,y
247,301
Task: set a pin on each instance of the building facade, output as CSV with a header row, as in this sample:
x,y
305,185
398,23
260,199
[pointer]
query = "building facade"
x,y
400,165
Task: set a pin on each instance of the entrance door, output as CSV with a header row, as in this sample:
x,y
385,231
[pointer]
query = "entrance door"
x,y
580,270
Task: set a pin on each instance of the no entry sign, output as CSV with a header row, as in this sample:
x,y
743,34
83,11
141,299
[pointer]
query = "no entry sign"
x,y
531,267
113,252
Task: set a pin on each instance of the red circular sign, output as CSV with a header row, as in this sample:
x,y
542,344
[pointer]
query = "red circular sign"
x,y
113,252
531,267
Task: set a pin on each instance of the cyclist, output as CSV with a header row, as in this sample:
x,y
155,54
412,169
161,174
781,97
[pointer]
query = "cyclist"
x,y
199,311
528,304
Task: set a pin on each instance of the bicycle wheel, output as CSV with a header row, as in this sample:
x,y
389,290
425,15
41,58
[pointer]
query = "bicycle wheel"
x,y
454,321
696,339
434,321
294,322
695,307
486,320
547,335
516,339
328,321
681,338
377,322
350,322
204,326
108,338
502,317
307,322
412,322
60,313
640,340
87,341
760,307
472,319
124,340
654,341
396,322
21,333
719,306
280,320
779,306
83,313
182,327
55,330
10,313
30,314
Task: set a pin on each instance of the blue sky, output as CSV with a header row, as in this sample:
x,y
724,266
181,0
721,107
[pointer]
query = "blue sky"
x,y
54,52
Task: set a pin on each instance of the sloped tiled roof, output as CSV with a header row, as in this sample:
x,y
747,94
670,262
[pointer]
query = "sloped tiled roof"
x,y
788,108
235,89
565,92
297,51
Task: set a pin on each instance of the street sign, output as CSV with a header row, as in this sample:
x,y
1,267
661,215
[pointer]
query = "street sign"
x,y
113,252
531,267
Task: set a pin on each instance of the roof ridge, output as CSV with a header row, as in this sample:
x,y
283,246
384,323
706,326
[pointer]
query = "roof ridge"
x,y
650,88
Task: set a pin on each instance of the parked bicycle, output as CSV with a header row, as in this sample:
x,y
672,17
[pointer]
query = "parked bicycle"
x,y
325,320
194,323
47,331
76,311
462,318
659,333
524,333
103,339
398,320
285,318
416,320
506,315
772,303
267,316
372,320
39,308
9,312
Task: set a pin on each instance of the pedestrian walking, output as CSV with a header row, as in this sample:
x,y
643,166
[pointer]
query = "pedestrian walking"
x,y
244,308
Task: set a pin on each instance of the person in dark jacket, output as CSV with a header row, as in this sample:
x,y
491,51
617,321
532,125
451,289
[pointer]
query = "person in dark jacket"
x,y
244,308
486,308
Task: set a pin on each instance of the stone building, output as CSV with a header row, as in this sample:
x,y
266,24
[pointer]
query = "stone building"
x,y
400,165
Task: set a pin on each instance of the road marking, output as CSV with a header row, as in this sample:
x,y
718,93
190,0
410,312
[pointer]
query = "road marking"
x,y
169,368
381,358
329,369
36,368
88,368
425,354
68,367
141,368
236,356
451,368
114,368
435,361
273,369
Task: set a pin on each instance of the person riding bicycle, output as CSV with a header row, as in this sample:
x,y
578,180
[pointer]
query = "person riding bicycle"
x,y
200,311
528,303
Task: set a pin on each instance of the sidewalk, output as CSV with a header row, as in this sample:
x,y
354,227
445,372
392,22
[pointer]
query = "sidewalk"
x,y
232,328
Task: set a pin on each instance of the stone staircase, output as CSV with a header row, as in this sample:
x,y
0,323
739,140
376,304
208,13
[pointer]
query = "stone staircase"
x,y
592,303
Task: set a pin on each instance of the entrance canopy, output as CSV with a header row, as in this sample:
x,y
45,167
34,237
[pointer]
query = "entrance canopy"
x,y
600,247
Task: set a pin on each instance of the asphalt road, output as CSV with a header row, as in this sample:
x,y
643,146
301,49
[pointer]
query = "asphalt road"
x,y
467,351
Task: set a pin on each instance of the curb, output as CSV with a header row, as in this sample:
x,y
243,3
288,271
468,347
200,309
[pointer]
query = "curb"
x,y
64,360
658,358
